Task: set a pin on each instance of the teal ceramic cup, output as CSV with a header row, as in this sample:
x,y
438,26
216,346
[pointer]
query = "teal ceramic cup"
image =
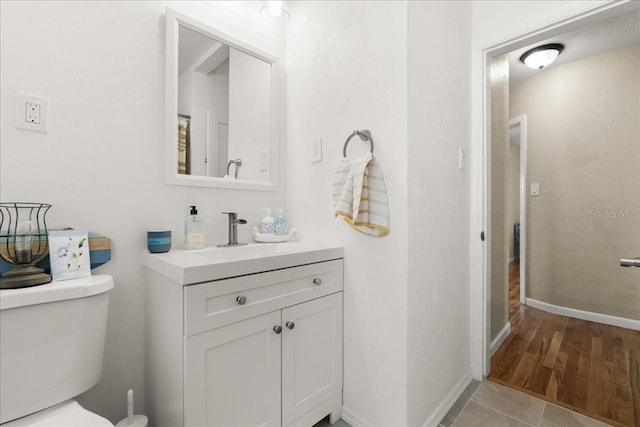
x,y
159,241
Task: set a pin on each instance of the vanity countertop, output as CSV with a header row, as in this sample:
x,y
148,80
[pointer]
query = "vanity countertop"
x,y
186,267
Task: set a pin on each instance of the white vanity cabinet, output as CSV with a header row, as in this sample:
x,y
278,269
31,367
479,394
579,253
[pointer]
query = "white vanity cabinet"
x,y
262,349
232,374
295,353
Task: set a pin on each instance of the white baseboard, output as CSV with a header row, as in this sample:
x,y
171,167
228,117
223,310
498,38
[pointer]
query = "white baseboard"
x,y
354,420
607,319
499,339
448,402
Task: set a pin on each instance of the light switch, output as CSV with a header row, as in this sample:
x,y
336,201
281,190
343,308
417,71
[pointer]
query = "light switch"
x,y
535,189
460,158
264,161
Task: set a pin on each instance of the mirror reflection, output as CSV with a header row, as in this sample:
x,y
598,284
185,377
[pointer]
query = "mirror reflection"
x,y
224,117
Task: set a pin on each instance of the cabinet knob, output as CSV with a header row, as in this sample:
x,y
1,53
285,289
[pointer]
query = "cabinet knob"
x,y
241,300
277,329
290,325
317,281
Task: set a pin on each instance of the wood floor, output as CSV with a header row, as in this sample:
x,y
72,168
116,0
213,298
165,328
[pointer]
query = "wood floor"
x,y
588,367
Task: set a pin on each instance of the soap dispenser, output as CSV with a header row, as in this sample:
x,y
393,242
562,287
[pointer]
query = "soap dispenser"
x,y
267,222
280,222
193,230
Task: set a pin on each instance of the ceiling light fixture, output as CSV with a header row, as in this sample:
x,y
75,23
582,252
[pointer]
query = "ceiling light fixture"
x,y
274,8
541,56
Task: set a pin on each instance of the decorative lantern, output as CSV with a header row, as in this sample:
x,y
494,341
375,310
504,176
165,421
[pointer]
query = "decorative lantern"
x,y
23,243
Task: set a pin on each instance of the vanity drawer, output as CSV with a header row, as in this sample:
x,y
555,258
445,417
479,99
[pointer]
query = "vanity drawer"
x,y
214,304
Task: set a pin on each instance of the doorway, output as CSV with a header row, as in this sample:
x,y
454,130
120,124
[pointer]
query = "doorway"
x,y
591,210
486,321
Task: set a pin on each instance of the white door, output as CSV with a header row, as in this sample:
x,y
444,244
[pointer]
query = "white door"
x,y
311,355
232,374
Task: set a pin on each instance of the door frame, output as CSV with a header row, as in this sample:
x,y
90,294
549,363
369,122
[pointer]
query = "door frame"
x,y
565,18
521,121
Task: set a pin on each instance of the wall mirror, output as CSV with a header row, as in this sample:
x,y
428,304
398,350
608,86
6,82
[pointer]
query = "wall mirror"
x,y
221,119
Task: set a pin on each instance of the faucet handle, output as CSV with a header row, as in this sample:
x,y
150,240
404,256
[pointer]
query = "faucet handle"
x,y
233,218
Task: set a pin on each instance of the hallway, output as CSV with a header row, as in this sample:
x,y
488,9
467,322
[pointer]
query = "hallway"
x,y
584,366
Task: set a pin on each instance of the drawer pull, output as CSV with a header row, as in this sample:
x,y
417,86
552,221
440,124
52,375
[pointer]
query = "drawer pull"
x,y
317,281
277,329
290,325
241,300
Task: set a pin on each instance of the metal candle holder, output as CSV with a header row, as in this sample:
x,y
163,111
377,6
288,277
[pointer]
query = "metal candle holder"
x,y
23,243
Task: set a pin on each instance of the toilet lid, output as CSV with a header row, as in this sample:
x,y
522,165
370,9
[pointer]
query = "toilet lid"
x,y
67,414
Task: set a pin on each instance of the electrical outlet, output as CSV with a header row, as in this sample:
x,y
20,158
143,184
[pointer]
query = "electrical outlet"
x,y
32,112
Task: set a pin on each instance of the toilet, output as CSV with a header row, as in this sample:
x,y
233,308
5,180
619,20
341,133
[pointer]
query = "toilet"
x,y
51,349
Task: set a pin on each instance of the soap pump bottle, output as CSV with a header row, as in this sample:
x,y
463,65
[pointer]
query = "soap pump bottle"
x,y
280,224
267,222
193,230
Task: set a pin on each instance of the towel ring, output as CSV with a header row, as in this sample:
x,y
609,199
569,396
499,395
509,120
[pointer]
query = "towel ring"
x,y
364,135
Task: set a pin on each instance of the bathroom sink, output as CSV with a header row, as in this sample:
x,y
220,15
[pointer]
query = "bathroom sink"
x,y
234,253
187,267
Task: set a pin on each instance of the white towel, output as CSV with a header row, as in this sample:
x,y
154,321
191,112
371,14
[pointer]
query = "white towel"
x,y
360,195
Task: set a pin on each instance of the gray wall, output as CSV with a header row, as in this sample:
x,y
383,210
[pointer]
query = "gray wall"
x,y
583,148
499,75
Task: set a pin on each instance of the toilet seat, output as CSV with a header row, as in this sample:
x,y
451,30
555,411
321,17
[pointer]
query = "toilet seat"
x,y
66,414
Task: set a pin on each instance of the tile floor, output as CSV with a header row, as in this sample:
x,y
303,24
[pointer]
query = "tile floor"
x,y
488,404
491,404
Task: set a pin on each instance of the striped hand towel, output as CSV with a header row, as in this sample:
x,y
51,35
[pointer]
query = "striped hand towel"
x,y
360,195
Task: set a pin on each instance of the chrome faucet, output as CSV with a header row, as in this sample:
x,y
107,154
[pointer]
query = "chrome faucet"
x,y
238,163
233,230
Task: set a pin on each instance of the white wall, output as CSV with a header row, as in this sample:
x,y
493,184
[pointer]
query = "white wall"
x,y
369,70
249,113
346,70
101,164
202,95
438,236
209,94
185,93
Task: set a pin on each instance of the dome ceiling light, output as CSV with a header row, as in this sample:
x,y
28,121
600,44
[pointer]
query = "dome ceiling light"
x,y
274,8
541,56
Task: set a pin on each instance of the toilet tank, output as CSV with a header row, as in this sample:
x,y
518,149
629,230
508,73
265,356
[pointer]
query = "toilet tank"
x,y
51,343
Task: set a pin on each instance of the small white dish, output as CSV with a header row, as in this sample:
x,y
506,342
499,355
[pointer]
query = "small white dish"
x,y
273,238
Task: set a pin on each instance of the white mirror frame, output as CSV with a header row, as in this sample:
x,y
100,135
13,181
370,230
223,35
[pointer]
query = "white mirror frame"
x,y
173,20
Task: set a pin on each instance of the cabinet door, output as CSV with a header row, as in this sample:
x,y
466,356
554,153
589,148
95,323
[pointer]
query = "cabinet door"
x,y
232,374
311,355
